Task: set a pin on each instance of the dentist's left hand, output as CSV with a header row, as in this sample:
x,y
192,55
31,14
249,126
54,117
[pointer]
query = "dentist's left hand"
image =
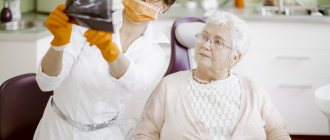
x,y
103,41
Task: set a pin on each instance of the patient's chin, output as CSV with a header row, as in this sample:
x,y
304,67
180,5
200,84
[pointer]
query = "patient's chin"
x,y
204,63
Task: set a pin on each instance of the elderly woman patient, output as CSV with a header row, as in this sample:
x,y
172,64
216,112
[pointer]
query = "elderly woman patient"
x,y
211,102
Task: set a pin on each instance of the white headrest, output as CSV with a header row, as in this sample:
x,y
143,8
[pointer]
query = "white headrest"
x,y
185,33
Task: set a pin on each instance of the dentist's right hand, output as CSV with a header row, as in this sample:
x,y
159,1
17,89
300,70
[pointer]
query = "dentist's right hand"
x,y
58,24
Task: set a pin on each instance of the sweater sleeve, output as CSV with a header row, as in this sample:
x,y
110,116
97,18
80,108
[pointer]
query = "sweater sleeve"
x,y
153,116
274,123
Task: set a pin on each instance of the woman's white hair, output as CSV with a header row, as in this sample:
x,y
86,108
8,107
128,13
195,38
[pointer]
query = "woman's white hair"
x,y
239,29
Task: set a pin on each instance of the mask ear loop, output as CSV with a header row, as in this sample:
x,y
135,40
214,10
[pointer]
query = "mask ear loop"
x,y
152,7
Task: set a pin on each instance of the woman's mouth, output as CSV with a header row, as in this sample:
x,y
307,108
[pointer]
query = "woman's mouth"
x,y
204,55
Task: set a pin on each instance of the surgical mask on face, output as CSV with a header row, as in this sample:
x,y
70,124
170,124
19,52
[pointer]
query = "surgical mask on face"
x,y
140,11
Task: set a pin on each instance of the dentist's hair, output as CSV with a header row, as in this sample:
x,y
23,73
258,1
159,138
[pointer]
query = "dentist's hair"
x,y
239,29
169,2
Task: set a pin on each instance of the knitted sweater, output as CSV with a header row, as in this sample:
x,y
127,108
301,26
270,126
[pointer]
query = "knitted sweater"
x,y
168,115
216,104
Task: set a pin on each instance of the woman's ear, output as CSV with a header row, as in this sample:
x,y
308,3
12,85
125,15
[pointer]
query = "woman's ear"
x,y
235,58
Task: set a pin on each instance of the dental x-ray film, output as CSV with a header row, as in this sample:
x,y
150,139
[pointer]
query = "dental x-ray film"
x,y
95,14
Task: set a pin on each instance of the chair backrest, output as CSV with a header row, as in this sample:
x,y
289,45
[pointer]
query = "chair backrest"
x,y
180,59
22,104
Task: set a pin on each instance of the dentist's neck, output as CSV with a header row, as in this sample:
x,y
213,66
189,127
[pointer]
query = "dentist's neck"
x,y
132,28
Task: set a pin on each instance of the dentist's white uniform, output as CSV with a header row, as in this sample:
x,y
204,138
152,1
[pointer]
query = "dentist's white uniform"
x,y
88,94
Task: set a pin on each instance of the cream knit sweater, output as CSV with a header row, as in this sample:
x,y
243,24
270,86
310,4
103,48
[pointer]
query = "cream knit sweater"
x,y
169,115
216,104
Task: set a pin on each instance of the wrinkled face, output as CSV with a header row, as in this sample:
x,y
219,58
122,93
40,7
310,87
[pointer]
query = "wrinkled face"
x,y
213,48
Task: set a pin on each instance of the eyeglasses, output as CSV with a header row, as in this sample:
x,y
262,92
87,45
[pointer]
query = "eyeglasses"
x,y
216,42
148,3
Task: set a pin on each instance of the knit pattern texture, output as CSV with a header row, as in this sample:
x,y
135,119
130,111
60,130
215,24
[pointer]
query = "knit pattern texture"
x,y
216,105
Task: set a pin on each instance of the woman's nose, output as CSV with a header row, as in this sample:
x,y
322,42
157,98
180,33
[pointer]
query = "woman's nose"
x,y
207,44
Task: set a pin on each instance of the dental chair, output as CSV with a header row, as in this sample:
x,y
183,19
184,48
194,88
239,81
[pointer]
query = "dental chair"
x,y
22,104
182,43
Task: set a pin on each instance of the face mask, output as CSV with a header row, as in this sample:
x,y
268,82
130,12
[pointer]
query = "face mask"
x,y
140,11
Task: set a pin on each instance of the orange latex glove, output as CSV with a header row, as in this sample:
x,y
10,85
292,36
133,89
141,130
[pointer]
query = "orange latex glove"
x,y
103,40
58,24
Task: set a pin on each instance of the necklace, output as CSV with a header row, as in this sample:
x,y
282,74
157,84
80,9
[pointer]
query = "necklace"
x,y
200,81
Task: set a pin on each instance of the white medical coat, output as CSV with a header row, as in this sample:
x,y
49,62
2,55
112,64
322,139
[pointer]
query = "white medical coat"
x,y
87,93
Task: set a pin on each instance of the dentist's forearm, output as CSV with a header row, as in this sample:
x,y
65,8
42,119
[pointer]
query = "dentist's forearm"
x,y
58,24
119,67
117,62
51,63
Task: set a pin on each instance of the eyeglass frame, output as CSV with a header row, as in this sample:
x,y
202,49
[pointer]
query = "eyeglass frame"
x,y
222,45
162,10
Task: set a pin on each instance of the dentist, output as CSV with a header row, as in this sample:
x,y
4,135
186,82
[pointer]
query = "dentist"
x,y
92,73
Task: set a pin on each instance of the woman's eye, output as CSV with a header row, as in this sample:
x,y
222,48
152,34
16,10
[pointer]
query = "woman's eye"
x,y
217,42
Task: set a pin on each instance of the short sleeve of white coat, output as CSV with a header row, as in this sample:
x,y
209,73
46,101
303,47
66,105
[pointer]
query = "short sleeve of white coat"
x,y
70,55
